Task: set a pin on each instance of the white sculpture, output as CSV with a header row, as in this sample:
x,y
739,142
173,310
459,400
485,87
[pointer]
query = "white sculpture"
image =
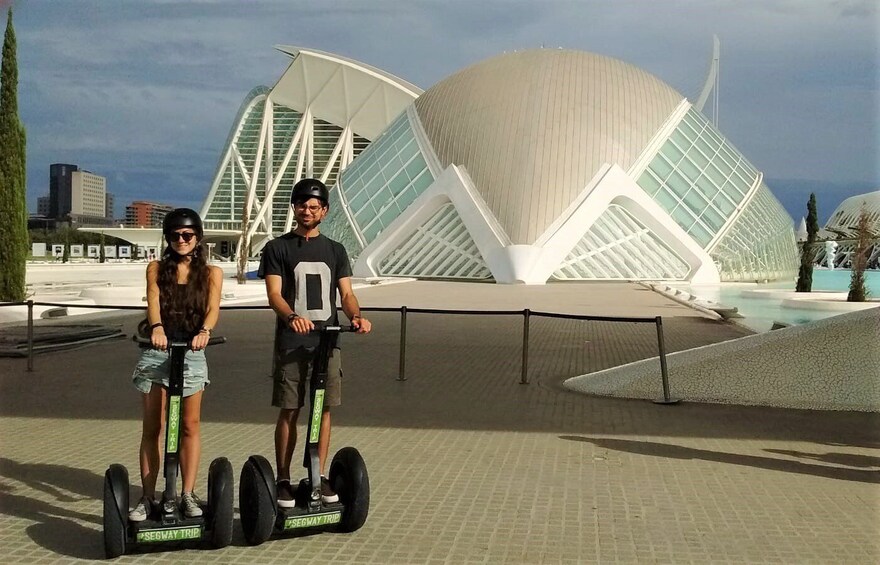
x,y
830,252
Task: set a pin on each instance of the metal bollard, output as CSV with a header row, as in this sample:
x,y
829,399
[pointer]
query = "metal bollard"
x,y
524,379
664,375
401,374
30,336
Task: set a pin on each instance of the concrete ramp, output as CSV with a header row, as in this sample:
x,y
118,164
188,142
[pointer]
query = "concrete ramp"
x,y
831,364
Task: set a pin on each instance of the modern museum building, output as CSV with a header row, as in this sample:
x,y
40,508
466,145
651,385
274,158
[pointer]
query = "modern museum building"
x,y
532,166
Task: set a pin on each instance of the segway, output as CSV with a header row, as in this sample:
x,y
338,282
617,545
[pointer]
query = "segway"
x,y
260,513
215,523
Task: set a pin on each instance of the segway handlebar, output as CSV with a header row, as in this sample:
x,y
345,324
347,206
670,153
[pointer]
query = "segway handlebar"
x,y
347,328
146,341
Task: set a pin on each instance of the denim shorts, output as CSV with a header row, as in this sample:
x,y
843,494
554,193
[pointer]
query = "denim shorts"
x,y
154,366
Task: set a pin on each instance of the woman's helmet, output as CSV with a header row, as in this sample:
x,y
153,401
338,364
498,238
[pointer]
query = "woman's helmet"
x,y
309,188
182,218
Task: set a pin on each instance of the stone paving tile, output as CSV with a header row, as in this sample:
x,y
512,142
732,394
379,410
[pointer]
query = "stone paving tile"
x,y
466,464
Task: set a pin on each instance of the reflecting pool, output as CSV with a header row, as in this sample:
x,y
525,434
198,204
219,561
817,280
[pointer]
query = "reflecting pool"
x,y
761,310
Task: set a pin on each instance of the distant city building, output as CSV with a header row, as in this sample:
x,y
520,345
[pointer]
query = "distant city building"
x,y
532,166
43,206
143,214
109,205
60,189
78,196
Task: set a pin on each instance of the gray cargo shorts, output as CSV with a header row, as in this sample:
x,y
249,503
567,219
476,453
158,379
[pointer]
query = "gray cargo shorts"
x,y
293,368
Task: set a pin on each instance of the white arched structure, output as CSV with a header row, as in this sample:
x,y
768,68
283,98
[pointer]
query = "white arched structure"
x,y
322,112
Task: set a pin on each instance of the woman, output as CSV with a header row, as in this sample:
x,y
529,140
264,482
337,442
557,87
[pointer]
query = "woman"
x,y
183,303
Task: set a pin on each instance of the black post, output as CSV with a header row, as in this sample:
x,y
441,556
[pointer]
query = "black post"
x,y
524,379
30,336
401,375
664,375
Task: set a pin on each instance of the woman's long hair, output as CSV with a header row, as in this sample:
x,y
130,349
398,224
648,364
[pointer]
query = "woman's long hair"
x,y
183,307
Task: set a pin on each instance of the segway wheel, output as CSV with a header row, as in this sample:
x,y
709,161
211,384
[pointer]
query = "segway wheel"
x,y
115,510
256,499
221,498
348,477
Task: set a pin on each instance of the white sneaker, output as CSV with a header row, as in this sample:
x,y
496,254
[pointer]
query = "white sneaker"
x,y
286,494
142,511
189,502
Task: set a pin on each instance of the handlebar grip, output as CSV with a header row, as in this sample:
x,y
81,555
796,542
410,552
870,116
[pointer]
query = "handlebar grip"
x,y
347,328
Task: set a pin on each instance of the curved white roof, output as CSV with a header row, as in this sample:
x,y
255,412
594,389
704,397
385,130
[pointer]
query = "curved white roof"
x,y
533,127
342,91
846,216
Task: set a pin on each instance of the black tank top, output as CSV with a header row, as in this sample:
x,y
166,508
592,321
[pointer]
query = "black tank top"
x,y
178,327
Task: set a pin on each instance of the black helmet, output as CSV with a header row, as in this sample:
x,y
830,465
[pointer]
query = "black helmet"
x,y
309,188
182,218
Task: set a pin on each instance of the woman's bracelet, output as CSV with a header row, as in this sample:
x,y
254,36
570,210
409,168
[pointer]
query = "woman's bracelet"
x,y
205,331
156,325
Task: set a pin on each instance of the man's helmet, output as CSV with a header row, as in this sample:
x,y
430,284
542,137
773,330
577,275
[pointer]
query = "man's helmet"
x,y
182,218
309,188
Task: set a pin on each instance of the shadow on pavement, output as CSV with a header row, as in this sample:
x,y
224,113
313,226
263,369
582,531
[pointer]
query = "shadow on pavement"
x,y
57,528
679,452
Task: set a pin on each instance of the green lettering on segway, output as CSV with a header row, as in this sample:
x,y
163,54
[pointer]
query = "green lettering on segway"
x,y
169,534
316,416
295,522
173,424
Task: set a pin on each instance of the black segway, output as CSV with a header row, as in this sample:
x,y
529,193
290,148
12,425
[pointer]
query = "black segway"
x,y
260,513
215,523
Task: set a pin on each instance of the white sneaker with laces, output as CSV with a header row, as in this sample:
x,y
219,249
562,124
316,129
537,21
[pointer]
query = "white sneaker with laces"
x,y
189,502
142,511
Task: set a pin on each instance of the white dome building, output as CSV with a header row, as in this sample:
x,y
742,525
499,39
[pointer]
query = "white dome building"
x,y
550,164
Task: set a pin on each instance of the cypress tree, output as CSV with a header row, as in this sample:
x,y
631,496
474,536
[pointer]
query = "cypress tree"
x,y
808,251
13,206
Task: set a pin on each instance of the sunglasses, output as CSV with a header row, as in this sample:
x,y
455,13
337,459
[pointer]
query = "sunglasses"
x,y
304,206
177,236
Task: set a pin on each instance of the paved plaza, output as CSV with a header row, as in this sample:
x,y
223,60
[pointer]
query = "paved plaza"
x,y
466,464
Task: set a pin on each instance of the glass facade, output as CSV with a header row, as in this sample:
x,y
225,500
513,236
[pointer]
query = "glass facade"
x,y
698,178
225,209
440,248
760,245
390,174
618,246
336,227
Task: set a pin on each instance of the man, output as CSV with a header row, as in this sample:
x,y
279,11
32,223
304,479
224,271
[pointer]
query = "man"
x,y
303,271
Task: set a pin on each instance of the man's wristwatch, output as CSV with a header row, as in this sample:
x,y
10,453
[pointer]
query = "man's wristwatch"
x,y
291,317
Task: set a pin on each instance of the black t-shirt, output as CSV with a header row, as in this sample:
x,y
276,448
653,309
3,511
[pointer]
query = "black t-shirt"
x,y
310,270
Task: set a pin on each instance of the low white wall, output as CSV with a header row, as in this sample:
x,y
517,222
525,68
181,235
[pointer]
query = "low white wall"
x,y
831,364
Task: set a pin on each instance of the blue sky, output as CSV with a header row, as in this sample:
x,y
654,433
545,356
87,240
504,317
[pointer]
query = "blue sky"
x,y
144,92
